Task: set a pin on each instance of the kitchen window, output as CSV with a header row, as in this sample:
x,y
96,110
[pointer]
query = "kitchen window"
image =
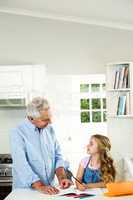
x,y
92,102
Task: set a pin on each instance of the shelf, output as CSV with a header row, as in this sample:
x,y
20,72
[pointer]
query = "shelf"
x,y
120,116
120,90
117,63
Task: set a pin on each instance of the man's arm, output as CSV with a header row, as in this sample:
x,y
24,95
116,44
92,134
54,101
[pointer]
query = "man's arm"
x,y
20,164
60,173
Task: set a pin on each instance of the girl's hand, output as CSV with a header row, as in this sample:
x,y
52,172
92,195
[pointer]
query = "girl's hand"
x,y
81,187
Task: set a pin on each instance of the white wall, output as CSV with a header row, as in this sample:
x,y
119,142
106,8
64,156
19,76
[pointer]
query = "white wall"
x,y
9,118
17,81
66,48
64,94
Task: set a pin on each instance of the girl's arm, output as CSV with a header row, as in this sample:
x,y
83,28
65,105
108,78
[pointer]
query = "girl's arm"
x,y
95,185
79,176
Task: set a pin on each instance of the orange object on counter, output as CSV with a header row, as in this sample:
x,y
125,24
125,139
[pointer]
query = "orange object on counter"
x,y
119,189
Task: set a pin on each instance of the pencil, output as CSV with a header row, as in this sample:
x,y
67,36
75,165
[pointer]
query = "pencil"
x,y
77,180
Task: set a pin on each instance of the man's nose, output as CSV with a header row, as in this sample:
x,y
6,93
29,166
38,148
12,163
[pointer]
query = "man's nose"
x,y
88,146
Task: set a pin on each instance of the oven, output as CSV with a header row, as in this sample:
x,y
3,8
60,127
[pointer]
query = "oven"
x,y
5,175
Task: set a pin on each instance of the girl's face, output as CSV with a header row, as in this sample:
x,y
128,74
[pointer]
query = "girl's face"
x,y
92,147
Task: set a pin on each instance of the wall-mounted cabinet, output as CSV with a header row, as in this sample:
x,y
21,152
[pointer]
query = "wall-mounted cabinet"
x,y
17,82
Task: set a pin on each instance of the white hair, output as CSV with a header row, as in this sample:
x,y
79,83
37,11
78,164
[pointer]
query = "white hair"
x,y
35,106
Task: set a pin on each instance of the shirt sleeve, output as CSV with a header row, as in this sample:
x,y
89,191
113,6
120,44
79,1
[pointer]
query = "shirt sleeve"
x,y
84,162
59,162
20,164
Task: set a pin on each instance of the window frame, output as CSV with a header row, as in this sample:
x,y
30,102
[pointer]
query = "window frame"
x,y
90,95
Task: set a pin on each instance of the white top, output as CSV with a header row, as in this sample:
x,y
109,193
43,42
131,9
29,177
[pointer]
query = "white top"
x,y
28,194
86,161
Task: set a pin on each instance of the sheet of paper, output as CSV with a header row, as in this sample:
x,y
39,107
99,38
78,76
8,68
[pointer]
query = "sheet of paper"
x,y
95,191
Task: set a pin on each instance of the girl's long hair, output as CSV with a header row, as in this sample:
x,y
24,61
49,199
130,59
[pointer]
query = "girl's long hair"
x,y
107,169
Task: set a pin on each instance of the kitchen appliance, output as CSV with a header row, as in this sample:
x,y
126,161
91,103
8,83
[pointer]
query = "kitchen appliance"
x,y
17,83
5,175
12,102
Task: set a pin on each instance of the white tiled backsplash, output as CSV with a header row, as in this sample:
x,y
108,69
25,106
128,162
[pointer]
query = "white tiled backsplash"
x,y
9,118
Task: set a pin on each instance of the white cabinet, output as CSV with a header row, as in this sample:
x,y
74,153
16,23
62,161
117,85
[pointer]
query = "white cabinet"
x,y
18,82
128,169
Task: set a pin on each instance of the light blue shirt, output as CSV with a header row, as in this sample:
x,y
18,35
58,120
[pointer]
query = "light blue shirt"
x,y
36,155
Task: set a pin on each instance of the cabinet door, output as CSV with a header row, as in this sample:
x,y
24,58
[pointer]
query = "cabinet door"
x,y
127,174
4,191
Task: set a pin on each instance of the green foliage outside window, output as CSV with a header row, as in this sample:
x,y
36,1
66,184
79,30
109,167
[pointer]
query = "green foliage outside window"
x,y
95,87
84,104
85,117
84,88
104,103
104,116
96,103
104,86
96,116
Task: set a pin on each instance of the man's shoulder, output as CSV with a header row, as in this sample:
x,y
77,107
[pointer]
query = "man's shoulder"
x,y
21,126
50,128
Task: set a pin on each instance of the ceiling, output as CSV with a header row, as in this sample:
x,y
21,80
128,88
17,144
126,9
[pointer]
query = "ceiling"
x,y
108,13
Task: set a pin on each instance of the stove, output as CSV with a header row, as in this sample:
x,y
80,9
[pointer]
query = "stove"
x,y
5,175
5,169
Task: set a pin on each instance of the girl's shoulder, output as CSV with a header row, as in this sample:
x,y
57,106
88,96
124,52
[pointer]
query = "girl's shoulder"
x,y
85,161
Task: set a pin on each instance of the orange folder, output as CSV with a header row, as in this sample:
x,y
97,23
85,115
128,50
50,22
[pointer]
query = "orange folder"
x,y
119,188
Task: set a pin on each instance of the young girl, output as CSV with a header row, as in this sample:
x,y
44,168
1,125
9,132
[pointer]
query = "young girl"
x,y
97,169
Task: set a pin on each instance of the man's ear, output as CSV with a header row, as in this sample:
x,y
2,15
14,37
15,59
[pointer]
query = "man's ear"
x,y
31,119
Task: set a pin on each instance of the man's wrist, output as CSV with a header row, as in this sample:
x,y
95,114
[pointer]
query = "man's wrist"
x,y
62,177
60,172
37,184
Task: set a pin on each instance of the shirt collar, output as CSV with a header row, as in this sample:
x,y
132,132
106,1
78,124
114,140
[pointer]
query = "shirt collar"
x,y
33,126
30,124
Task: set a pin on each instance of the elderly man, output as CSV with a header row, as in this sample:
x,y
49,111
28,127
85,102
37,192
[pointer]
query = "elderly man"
x,y
36,152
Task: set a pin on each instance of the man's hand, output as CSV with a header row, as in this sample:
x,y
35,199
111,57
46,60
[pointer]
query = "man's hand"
x,y
46,189
65,183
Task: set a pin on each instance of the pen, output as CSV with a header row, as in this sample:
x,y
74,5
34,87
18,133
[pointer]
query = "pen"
x,y
70,174
77,180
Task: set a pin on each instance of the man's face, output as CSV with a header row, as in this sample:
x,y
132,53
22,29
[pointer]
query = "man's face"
x,y
44,120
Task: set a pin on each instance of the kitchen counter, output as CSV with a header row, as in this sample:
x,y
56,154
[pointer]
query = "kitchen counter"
x,y
28,194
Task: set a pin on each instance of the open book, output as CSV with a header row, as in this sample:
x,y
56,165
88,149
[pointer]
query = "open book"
x,y
72,192
81,195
